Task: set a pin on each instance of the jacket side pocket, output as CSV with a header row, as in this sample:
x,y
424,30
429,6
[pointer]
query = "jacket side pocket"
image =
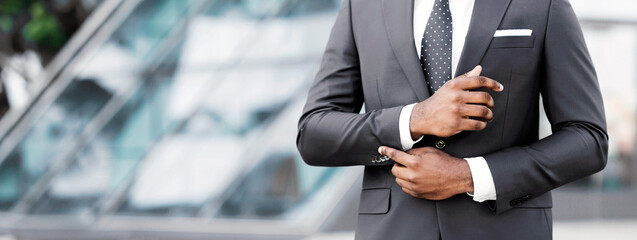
x,y
374,201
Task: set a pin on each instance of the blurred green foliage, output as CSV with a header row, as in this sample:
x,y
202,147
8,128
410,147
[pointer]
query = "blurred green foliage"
x,y
9,9
6,23
42,28
13,6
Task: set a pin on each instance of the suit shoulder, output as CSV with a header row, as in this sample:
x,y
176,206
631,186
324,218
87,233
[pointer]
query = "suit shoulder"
x,y
362,4
534,4
531,7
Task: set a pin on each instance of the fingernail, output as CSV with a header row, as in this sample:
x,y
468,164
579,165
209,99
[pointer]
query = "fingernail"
x,y
501,87
380,150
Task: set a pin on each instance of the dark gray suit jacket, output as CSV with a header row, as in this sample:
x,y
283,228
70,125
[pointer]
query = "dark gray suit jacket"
x,y
371,58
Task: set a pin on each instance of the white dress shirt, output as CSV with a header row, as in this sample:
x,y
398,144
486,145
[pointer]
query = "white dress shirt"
x,y
461,11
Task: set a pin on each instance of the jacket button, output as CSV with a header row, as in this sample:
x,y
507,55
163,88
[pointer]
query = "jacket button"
x,y
440,144
379,158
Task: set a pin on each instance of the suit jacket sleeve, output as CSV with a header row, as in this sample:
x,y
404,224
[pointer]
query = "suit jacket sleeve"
x,y
331,132
573,103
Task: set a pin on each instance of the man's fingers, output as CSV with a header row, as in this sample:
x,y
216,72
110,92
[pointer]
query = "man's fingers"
x,y
479,97
400,172
474,72
472,125
410,192
405,184
480,111
396,155
483,82
474,82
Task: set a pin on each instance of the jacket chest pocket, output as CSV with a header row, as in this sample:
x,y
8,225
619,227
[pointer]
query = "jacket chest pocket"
x,y
513,42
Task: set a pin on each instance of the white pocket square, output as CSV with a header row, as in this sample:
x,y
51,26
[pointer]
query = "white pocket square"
x,y
513,33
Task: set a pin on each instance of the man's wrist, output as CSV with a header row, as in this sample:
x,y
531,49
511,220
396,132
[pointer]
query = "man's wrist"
x,y
415,134
464,177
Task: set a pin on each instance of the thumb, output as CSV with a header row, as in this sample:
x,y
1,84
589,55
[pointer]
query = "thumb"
x,y
475,72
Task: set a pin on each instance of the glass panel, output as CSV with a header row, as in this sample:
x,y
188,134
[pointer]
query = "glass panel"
x,y
274,188
230,120
62,122
107,161
312,7
98,78
185,111
201,158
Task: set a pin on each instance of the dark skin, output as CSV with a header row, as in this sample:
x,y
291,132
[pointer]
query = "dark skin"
x,y
428,172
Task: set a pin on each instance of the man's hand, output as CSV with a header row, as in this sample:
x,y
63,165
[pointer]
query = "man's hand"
x,y
447,112
429,173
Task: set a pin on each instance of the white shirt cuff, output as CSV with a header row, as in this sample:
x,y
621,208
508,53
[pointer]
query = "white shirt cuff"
x,y
403,128
483,186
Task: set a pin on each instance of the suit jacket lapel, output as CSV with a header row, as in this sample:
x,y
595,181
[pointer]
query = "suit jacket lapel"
x,y
399,20
487,15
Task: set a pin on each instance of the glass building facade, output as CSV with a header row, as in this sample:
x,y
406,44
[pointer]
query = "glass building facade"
x,y
178,110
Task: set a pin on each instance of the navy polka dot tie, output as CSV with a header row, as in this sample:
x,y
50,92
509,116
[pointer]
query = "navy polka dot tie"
x,y
435,57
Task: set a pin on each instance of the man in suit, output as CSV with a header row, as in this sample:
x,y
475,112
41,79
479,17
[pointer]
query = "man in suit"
x,y
459,155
